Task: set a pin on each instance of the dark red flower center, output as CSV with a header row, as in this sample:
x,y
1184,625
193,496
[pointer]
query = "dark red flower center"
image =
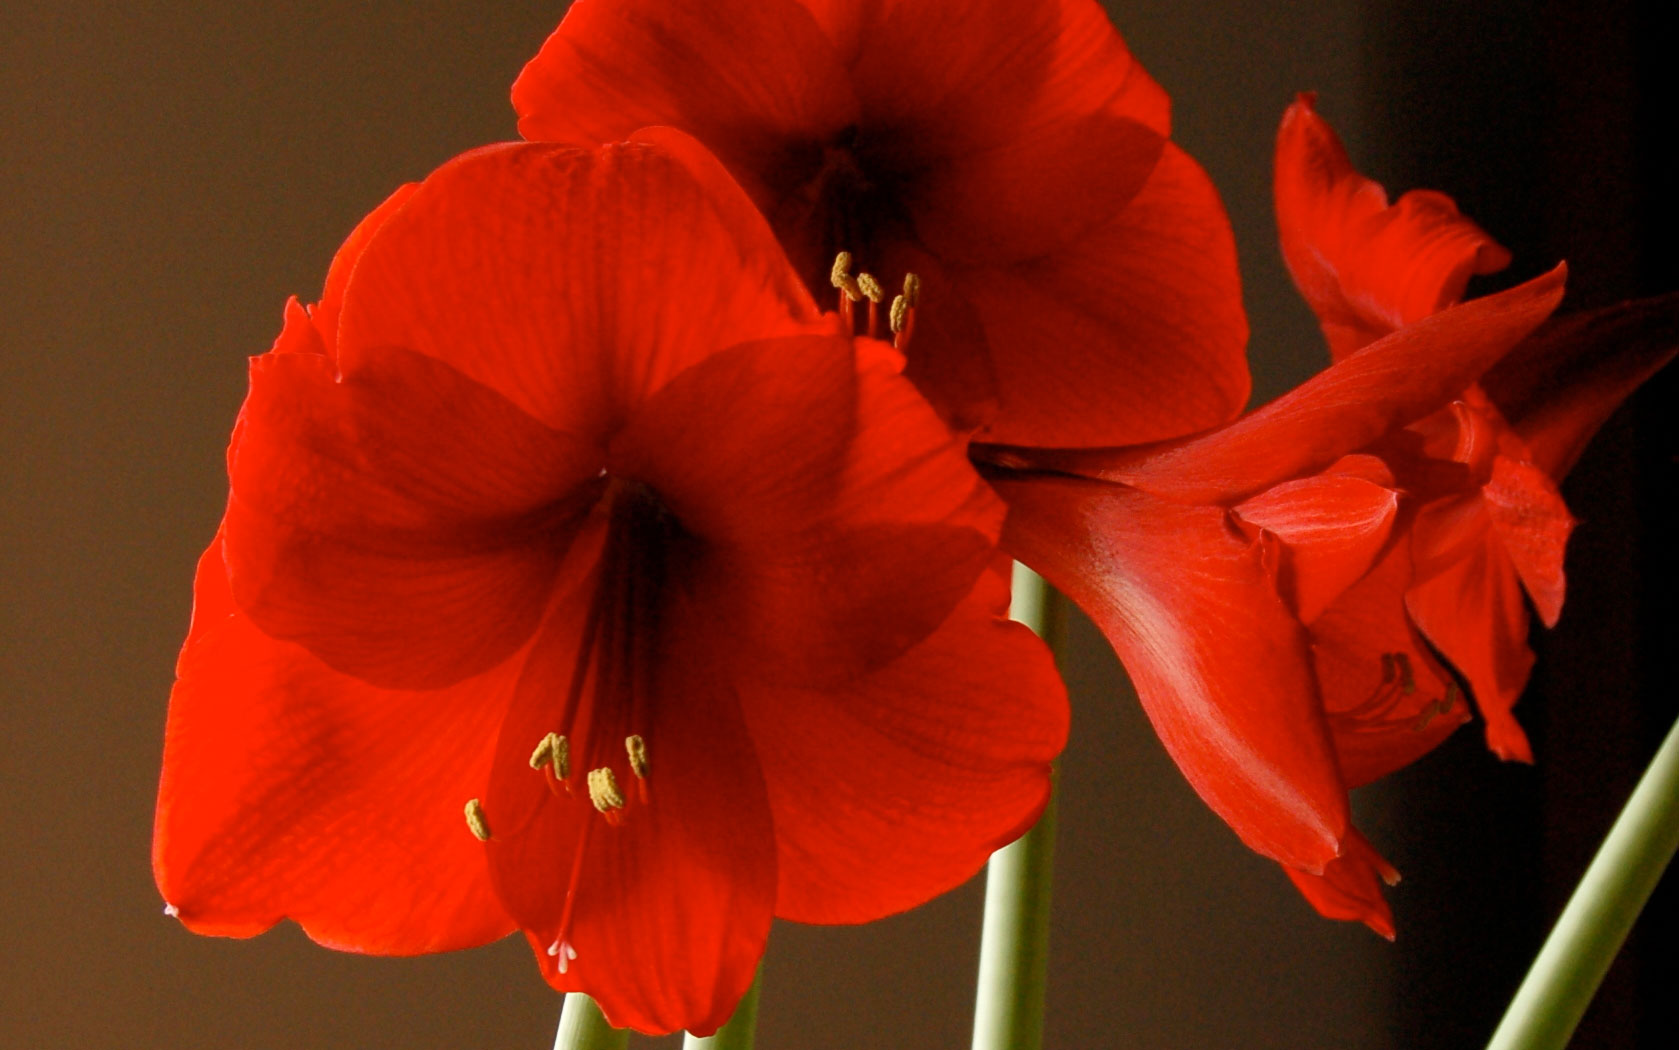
x,y
850,196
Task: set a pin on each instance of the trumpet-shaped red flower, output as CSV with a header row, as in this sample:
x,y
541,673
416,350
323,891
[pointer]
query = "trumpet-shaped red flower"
x,y
1279,588
1490,522
1220,566
565,506
1013,154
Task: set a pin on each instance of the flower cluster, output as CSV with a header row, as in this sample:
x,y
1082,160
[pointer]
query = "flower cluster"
x,y
582,575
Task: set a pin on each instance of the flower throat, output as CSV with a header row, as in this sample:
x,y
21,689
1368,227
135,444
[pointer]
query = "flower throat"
x,y
599,753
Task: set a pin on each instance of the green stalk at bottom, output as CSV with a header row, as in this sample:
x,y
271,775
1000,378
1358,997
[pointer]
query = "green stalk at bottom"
x,y
1565,975
1014,943
1014,947
584,1027
738,1033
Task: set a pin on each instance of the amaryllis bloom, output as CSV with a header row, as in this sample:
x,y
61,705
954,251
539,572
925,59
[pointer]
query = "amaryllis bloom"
x,y
1489,522
1279,588
1208,563
579,577
1014,155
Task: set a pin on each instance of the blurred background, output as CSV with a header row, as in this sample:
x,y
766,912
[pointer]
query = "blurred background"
x,y
171,171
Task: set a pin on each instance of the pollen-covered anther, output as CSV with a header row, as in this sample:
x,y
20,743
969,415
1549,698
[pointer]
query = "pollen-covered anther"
x,y
476,822
871,289
912,290
636,747
841,278
604,793
554,750
899,317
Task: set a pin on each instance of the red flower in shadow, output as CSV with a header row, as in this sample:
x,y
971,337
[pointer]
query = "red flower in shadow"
x,y
1301,596
1208,562
1081,269
566,500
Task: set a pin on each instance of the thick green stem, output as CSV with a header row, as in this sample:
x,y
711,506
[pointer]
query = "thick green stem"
x,y
1014,945
738,1033
1554,995
582,1027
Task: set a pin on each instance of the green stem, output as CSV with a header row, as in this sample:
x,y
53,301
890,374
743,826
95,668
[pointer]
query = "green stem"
x,y
738,1032
1554,995
583,1027
1014,944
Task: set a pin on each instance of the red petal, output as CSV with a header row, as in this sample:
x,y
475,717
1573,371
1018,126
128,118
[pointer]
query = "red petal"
x,y
1532,524
947,360
755,80
1388,700
1390,383
1133,333
1351,886
1366,268
1220,666
837,530
325,313
1560,385
955,77
404,523
290,790
575,284
1467,599
1036,192
1331,527
673,905
298,334
896,787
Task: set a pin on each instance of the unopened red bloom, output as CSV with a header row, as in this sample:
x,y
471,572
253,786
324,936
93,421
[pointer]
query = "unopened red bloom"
x,y
579,577
1015,155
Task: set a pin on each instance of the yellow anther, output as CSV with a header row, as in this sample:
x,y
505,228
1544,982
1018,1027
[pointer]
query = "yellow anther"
x,y
556,749
912,290
871,289
841,277
637,749
898,319
603,790
476,822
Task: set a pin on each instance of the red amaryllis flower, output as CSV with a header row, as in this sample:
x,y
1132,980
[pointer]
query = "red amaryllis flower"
x,y
566,506
1270,585
1013,154
1490,522
1210,564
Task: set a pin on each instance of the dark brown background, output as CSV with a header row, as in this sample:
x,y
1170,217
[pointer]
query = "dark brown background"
x,y
170,172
